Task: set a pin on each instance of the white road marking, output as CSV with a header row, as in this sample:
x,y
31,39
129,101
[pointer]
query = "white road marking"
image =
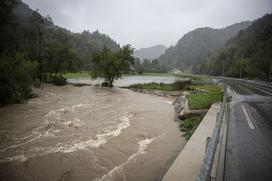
x,y
250,124
262,90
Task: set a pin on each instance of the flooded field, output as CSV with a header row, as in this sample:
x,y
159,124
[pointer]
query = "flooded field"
x,y
127,80
88,133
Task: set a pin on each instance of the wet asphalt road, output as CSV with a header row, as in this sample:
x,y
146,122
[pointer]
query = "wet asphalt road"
x,y
249,139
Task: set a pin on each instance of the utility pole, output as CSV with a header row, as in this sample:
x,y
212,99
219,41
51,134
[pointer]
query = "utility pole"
x,y
270,72
241,66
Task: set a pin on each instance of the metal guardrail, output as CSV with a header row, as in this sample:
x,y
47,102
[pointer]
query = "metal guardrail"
x,y
211,144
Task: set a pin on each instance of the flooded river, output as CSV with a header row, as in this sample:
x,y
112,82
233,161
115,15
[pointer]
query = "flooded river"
x,y
88,133
127,80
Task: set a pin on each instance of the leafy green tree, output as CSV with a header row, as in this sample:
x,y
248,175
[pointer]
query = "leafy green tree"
x,y
60,56
16,78
109,65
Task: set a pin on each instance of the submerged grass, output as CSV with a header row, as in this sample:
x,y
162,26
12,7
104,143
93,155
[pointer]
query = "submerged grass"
x,y
189,125
76,75
176,86
205,100
166,74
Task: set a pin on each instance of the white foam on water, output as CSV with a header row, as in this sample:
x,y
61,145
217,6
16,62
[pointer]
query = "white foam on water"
x,y
101,138
142,146
169,102
75,145
44,131
36,136
21,158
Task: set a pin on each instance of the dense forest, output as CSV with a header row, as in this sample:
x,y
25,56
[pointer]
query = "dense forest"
x,y
197,45
33,49
248,55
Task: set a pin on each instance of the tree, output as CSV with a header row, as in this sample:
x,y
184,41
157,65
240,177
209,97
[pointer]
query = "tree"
x,y
60,56
109,65
8,37
16,78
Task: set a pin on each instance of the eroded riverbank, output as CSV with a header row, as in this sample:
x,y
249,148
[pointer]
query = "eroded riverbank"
x,y
88,133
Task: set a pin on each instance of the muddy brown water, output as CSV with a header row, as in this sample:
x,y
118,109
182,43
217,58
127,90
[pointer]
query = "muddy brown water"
x,y
88,133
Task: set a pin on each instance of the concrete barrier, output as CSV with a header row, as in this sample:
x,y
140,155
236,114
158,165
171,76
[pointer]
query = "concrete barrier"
x,y
188,163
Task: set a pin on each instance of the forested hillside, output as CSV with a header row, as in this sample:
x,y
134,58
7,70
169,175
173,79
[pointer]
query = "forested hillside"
x,y
32,48
150,52
197,45
248,54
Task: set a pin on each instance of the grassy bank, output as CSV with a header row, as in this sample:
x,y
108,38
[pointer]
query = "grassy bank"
x,y
76,75
205,100
193,77
189,125
176,86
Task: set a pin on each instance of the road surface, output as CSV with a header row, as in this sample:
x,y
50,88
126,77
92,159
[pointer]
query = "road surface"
x,y
249,139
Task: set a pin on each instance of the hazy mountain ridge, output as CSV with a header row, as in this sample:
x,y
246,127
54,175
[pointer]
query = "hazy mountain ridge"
x,y
198,44
150,52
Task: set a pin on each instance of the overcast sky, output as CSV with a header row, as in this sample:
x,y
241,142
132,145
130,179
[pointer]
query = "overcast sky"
x,y
145,23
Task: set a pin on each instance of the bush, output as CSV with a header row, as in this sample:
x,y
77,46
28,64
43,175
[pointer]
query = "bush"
x,y
59,80
180,85
16,78
189,125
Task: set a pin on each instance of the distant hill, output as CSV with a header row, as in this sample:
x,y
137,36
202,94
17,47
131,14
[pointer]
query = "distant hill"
x,y
150,52
251,49
197,45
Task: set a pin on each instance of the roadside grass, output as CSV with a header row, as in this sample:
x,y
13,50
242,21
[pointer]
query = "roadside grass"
x,y
189,125
76,75
204,100
176,86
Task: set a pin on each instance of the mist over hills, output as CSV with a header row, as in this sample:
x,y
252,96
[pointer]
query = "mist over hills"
x,y
197,45
150,52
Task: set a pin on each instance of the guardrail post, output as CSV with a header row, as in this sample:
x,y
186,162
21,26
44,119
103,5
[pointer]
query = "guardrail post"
x,y
208,139
211,143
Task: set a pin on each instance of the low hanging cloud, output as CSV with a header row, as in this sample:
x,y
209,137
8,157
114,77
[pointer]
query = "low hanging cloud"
x,y
144,23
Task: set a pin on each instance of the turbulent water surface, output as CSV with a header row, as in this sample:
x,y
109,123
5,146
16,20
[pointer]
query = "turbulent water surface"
x,y
88,133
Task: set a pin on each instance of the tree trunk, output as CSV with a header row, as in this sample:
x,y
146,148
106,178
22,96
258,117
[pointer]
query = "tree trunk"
x,y
111,83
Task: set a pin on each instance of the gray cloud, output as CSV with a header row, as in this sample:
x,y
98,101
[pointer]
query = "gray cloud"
x,y
144,23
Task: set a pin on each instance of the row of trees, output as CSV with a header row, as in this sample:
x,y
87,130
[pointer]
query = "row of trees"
x,y
16,70
148,66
